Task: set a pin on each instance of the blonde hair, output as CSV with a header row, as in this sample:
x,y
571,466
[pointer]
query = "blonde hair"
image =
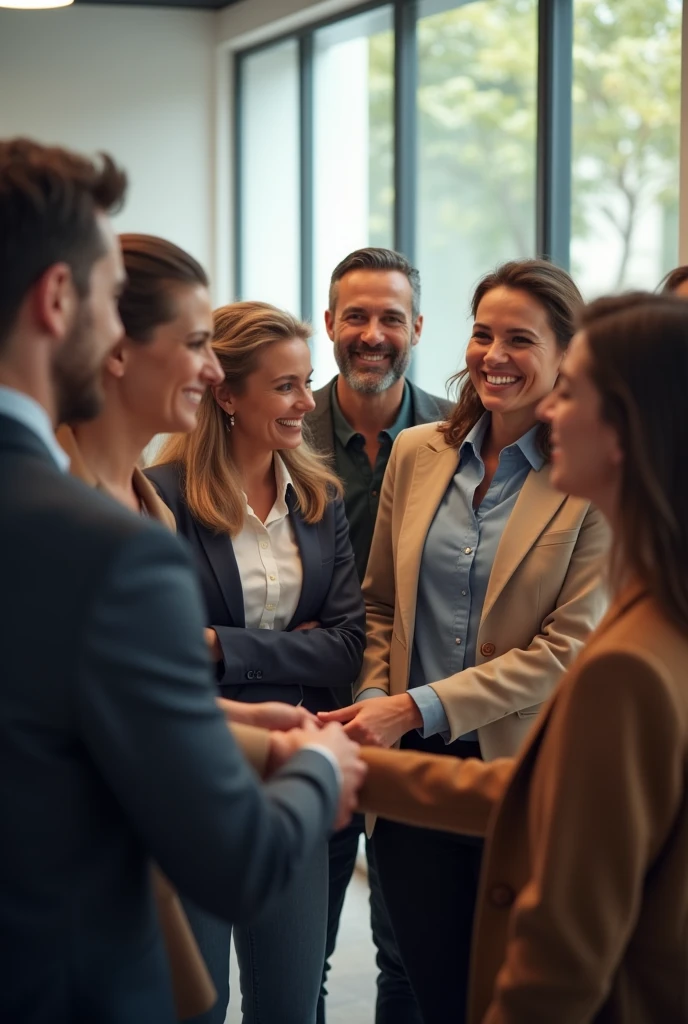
x,y
211,482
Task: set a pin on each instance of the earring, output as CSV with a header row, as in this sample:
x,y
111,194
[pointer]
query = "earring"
x,y
231,421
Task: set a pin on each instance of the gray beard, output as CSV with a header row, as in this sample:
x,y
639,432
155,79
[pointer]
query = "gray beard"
x,y
369,382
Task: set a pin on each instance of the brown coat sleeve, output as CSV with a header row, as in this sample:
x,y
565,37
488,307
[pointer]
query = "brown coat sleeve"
x,y
605,792
433,791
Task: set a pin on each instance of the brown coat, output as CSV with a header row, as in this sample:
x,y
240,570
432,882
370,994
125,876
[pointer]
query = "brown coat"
x,y
583,906
545,595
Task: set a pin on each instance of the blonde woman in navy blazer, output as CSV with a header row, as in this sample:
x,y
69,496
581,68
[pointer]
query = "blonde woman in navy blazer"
x,y
264,516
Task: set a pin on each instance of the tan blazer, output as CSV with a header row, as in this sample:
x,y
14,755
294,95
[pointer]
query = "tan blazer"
x,y
545,594
583,907
193,990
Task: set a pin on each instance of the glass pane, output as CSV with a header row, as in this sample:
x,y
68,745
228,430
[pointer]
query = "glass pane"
x,y
477,85
354,152
627,68
270,176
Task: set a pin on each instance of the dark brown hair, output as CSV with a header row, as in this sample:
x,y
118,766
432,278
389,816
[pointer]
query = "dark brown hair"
x,y
212,485
377,259
673,279
638,345
154,266
49,199
557,293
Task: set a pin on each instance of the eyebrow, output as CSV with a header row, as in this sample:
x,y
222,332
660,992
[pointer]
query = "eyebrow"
x,y
290,376
397,310
509,330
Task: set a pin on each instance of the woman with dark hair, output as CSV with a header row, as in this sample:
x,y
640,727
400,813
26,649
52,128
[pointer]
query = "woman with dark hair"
x,y
153,382
264,517
583,914
675,282
482,585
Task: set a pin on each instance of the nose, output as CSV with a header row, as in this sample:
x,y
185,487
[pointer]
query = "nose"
x,y
372,333
212,372
306,402
495,354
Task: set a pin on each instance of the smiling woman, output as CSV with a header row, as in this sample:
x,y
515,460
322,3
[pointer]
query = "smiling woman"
x,y
482,584
265,519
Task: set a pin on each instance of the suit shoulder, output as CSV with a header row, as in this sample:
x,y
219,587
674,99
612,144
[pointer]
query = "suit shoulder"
x,y
429,408
167,478
422,434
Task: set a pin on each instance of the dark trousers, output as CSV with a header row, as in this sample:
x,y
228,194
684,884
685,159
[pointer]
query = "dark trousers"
x,y
429,882
396,1003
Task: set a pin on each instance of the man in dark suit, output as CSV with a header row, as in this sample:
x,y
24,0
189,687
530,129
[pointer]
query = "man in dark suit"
x,y
374,322
112,749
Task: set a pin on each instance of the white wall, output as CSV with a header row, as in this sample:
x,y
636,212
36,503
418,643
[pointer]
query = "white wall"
x,y
137,82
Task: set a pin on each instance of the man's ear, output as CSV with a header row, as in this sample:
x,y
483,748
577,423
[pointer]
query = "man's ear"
x,y
117,360
55,301
417,329
329,324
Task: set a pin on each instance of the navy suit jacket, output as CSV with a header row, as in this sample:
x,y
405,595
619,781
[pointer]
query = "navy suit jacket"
x,y
316,666
113,752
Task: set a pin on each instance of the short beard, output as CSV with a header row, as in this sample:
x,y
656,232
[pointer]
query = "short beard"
x,y
369,382
77,381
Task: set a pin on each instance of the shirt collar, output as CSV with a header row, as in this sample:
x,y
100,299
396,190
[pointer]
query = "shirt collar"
x,y
344,431
527,444
283,480
29,413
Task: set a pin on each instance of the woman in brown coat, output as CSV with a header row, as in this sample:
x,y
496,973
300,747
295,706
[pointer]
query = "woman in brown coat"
x,y
582,913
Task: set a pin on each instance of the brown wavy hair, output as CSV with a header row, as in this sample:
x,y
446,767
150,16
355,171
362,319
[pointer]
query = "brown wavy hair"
x,y
553,289
673,280
638,345
211,481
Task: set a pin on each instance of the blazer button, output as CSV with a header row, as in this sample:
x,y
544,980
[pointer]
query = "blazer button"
x,y
501,896
487,650
259,674
250,674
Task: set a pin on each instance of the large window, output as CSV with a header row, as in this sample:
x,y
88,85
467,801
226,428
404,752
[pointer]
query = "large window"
x,y
626,103
463,134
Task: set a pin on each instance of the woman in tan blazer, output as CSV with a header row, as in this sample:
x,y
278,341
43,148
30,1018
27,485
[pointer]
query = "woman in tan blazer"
x,y
483,584
583,908
153,382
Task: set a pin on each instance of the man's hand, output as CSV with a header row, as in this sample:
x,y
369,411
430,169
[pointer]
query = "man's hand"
x,y
305,625
213,642
270,714
378,721
284,745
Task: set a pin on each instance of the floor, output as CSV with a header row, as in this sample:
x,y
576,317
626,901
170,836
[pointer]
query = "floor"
x,y
351,983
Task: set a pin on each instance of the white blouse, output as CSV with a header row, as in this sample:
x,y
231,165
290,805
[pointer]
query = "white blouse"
x,y
269,561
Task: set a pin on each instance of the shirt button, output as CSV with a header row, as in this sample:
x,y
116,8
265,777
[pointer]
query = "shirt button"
x,y
501,896
463,593
263,543
269,607
467,551
375,494
272,577
458,640
487,650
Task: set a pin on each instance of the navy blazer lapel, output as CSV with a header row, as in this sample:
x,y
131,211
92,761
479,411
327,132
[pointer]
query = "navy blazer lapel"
x,y
220,554
311,559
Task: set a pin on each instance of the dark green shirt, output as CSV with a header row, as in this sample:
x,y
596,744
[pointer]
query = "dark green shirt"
x,y
362,482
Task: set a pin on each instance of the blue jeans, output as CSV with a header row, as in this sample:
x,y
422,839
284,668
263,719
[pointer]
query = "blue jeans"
x,y
280,955
396,1003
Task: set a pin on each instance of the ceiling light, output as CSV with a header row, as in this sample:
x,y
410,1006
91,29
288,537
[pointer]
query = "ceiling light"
x,y
34,5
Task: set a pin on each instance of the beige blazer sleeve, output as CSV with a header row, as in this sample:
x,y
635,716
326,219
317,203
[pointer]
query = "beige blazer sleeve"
x,y
254,744
433,791
605,793
523,677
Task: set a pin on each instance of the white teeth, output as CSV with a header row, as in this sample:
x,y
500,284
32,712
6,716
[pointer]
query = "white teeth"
x,y
194,396
289,423
369,358
500,380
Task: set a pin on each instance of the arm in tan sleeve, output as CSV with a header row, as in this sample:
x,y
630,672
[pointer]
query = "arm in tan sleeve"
x,y
379,590
521,677
254,744
605,793
433,791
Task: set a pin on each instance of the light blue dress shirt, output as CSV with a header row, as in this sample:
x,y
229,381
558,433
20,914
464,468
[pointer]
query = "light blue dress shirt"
x,y
456,564
27,411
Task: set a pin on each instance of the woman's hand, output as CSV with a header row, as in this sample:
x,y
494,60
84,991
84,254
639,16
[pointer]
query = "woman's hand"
x,y
378,721
305,625
213,642
272,714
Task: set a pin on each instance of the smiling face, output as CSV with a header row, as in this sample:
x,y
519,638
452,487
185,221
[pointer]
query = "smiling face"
x,y
373,329
586,454
269,409
162,381
513,357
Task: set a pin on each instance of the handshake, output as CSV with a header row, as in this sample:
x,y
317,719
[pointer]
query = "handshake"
x,y
292,729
